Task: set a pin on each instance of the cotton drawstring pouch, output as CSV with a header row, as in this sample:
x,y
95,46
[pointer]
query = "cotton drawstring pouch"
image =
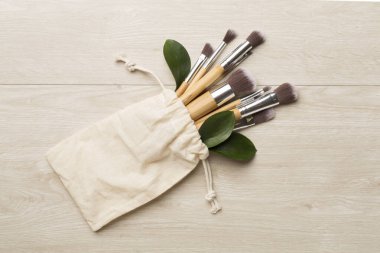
x,y
131,157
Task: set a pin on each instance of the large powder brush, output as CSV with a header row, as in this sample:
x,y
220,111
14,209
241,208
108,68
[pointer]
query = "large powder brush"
x,y
238,84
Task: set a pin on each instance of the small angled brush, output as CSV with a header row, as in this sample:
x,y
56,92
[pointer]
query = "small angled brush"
x,y
235,103
235,57
255,119
206,53
283,94
252,120
239,84
228,37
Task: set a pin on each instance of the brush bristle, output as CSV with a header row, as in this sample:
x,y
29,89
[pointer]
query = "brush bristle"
x,y
230,36
255,39
207,50
286,93
241,83
264,116
266,88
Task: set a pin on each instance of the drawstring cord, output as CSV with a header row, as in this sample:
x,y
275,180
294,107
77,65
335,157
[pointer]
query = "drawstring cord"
x,y
131,67
211,194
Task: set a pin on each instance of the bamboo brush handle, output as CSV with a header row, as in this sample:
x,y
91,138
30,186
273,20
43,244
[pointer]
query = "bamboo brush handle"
x,y
236,112
197,77
201,106
198,124
182,88
227,107
202,84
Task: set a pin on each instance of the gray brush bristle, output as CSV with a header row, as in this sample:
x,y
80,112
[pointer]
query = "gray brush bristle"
x,y
255,39
266,88
230,36
286,93
264,116
207,50
241,83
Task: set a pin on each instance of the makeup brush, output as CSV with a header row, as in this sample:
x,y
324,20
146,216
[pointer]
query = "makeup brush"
x,y
235,103
228,37
283,94
264,116
206,53
252,120
255,119
232,67
238,84
235,57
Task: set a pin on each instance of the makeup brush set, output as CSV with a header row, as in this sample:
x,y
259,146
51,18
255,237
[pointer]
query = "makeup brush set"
x,y
136,154
204,96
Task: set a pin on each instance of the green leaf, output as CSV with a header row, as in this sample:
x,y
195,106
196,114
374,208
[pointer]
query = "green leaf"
x,y
178,60
217,128
237,147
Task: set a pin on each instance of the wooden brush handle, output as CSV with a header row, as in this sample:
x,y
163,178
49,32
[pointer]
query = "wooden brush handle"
x,y
236,112
198,124
197,77
182,88
201,105
226,107
202,84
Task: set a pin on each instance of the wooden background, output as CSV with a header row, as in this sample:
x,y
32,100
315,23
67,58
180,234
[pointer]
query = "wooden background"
x,y
314,185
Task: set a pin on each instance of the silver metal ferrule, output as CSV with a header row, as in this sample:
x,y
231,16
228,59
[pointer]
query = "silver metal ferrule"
x,y
236,55
244,123
251,97
233,66
222,94
237,63
208,63
194,70
267,101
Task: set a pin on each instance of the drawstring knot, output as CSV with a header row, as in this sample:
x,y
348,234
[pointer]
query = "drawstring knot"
x,y
131,66
210,196
128,64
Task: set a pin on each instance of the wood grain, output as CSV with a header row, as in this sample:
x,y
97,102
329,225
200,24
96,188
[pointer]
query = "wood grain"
x,y
66,42
314,185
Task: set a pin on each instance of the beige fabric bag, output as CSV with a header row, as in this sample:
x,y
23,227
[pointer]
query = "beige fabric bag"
x,y
130,158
